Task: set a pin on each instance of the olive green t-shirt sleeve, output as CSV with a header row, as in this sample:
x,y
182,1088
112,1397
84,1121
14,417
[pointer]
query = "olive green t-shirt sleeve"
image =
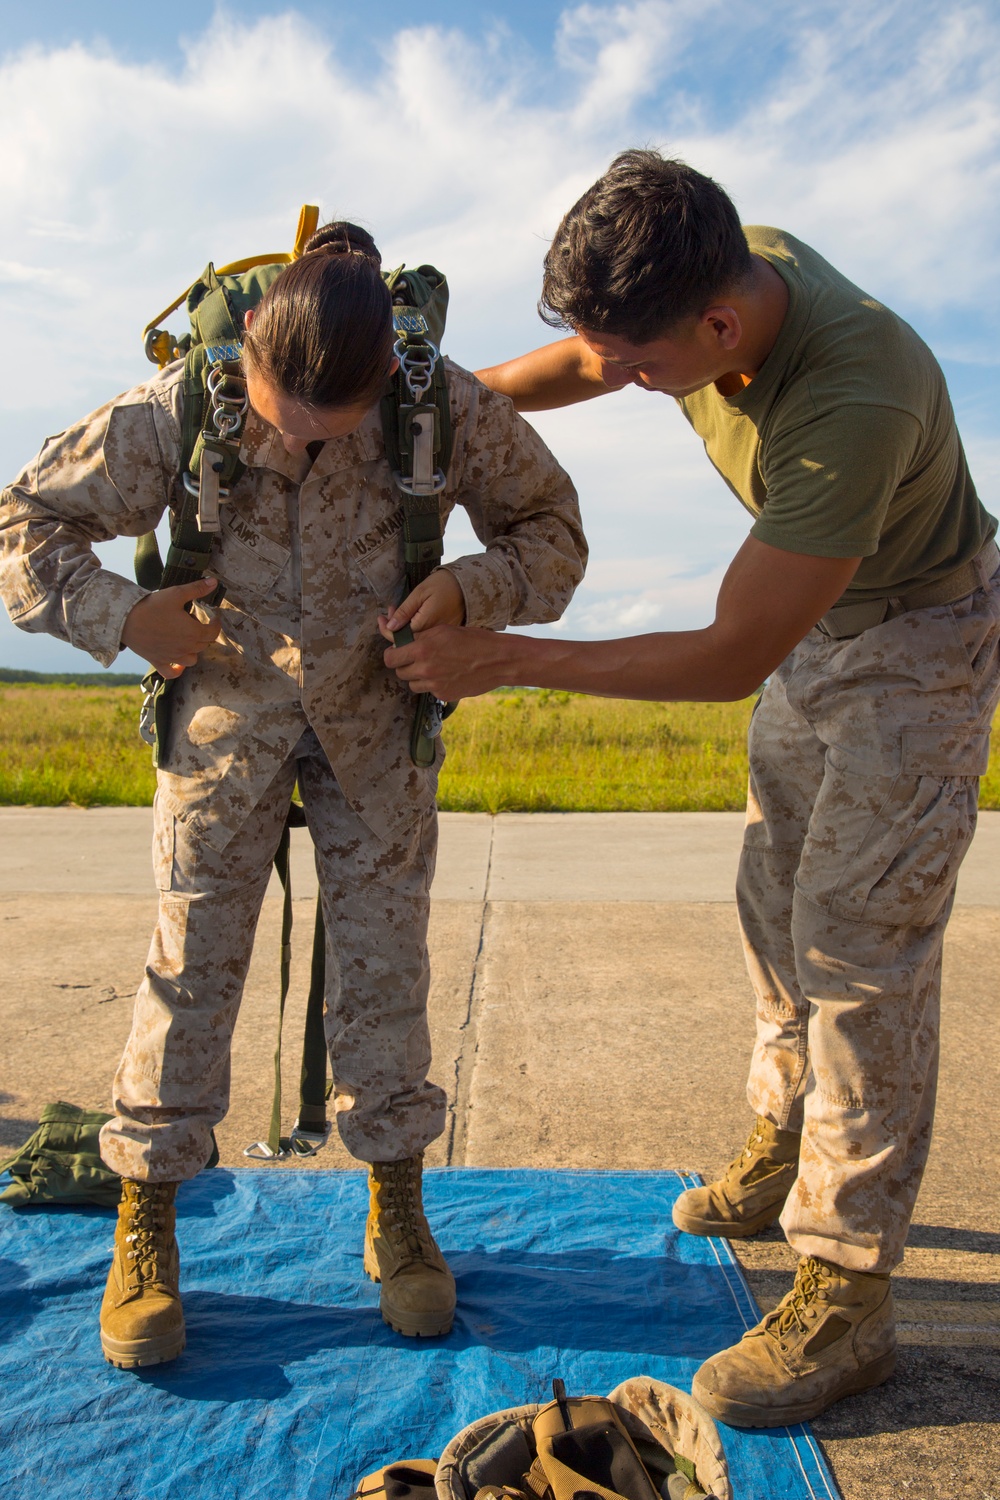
x,y
829,481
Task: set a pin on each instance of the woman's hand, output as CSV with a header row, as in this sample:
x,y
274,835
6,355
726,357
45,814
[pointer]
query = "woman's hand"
x,y
160,628
436,601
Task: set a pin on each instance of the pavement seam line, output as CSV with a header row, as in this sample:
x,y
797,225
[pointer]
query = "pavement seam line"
x,y
465,1061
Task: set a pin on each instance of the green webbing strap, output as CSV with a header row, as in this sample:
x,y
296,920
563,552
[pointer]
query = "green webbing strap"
x,y
314,1090
188,554
148,562
275,1144
418,320
187,561
216,308
423,549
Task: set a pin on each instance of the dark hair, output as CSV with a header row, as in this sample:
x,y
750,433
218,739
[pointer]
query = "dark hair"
x,y
322,333
652,243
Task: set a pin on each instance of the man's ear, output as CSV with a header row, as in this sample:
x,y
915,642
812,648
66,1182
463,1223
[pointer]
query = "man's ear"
x,y
724,325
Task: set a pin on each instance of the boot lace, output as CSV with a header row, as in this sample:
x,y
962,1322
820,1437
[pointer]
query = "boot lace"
x,y
145,1235
401,1213
811,1278
752,1149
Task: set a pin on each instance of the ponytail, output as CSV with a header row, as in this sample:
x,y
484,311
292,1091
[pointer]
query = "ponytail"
x,y
323,332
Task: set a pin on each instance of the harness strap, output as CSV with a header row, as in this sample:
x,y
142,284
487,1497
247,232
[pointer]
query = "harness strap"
x,y
311,1129
416,424
314,1090
275,1145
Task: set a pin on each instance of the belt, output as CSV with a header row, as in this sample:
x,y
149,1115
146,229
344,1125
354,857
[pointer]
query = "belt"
x,y
845,620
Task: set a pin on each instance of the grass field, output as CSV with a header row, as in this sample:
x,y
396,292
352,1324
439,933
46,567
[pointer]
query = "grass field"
x,y
512,751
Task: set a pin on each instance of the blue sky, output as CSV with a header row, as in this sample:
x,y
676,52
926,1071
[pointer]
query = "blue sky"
x,y
138,142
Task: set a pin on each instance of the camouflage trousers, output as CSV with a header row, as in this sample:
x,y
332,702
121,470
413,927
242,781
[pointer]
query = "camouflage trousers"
x,y
865,757
172,1085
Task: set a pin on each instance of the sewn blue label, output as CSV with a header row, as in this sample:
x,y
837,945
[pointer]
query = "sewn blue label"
x,y
220,354
410,322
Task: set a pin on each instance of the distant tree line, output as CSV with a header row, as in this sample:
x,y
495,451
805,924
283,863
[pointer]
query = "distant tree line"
x,y
72,679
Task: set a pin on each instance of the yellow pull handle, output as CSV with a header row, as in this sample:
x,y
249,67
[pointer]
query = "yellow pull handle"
x,y
308,220
160,348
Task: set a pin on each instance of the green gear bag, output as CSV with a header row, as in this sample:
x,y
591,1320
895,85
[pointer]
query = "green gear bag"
x,y
61,1162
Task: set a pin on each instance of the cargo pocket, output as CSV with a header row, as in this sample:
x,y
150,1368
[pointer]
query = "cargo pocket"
x,y
907,850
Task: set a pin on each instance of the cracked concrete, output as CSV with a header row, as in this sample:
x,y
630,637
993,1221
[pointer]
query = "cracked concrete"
x,y
589,1008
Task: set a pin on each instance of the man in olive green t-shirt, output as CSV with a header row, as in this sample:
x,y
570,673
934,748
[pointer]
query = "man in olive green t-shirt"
x,y
867,596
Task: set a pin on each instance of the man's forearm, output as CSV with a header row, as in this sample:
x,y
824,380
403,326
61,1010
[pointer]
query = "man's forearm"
x,y
768,601
683,665
689,665
556,375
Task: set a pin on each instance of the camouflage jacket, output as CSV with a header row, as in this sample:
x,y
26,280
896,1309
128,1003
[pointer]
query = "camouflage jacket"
x,y
309,554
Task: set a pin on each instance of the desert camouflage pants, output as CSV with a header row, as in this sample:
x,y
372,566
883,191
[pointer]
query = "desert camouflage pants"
x,y
865,757
172,1085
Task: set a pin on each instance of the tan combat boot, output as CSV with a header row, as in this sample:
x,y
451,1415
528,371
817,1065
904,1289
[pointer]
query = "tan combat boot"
x,y
833,1335
751,1193
142,1322
418,1290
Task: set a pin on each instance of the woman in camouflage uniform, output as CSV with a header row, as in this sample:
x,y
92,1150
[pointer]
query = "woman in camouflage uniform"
x,y
283,683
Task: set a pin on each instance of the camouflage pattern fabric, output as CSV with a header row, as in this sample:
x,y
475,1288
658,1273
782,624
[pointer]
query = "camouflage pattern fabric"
x,y
173,1082
309,554
865,758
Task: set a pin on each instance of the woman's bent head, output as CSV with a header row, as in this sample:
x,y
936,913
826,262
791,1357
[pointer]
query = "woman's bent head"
x,y
318,350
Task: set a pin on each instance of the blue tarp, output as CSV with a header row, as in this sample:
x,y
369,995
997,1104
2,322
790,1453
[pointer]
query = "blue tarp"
x,y
292,1387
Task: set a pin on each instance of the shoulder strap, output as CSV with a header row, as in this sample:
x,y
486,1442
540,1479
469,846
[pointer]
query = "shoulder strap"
x,y
416,426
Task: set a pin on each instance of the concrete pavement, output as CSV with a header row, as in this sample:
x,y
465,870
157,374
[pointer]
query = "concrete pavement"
x,y
589,1009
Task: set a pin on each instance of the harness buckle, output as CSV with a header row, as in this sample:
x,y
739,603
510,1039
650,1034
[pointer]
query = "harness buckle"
x,y
434,718
147,718
207,491
305,1142
300,1144
409,487
261,1151
416,364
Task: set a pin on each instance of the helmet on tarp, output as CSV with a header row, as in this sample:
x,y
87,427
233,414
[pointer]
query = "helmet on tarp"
x,y
645,1441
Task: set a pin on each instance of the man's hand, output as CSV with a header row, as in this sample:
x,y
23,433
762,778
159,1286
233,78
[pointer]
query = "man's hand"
x,y
436,601
448,662
768,601
160,628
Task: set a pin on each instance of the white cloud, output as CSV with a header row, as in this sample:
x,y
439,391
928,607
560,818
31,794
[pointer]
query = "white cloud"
x,y
879,142
873,133
46,279
621,52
